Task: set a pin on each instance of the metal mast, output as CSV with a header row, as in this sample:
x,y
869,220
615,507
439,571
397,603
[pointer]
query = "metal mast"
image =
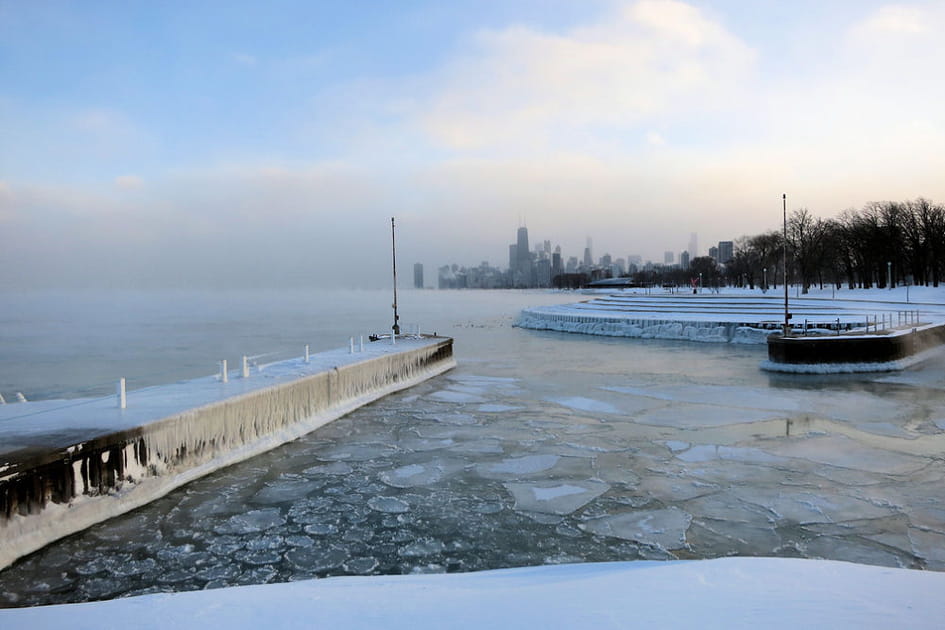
x,y
787,314
393,251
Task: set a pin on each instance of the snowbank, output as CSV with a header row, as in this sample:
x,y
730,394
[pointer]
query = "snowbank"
x,y
723,593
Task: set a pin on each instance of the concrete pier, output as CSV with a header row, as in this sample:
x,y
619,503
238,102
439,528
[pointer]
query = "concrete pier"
x,y
68,464
862,352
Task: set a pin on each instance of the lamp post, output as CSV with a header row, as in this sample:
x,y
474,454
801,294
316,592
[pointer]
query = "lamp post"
x,y
889,275
787,314
395,329
764,282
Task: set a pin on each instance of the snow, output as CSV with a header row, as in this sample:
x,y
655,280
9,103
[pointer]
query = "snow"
x,y
722,593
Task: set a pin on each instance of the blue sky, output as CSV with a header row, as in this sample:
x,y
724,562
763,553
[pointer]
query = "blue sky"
x,y
217,143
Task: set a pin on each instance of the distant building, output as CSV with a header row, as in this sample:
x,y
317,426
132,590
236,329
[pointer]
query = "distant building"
x,y
418,275
726,251
714,253
693,246
684,260
668,258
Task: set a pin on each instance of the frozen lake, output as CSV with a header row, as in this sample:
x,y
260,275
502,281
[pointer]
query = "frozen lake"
x,y
539,448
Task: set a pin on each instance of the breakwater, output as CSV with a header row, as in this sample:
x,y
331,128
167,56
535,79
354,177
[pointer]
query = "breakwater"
x,y
64,467
863,352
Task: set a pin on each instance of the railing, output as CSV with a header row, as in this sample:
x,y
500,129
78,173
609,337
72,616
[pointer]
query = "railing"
x,y
248,365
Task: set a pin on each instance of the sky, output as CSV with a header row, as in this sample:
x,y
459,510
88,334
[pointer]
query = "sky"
x,y
228,144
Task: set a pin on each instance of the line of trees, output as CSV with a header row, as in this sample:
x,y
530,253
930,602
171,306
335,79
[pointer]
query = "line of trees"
x,y
898,242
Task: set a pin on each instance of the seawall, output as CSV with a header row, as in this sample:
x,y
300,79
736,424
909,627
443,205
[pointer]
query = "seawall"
x,y
866,352
646,327
66,465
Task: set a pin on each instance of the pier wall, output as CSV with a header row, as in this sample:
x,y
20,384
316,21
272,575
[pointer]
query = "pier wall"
x,y
49,494
861,353
646,328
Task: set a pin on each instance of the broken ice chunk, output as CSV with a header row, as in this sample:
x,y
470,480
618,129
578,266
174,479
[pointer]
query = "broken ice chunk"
x,y
665,528
548,497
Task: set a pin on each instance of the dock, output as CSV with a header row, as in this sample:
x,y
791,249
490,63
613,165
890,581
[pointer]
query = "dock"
x,y
68,464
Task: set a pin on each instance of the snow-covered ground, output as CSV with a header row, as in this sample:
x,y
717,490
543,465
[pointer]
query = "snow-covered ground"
x,y
735,315
723,593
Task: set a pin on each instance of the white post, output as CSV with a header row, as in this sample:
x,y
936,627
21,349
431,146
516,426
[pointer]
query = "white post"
x,y
361,346
245,367
224,378
350,345
2,401
306,353
122,399
393,338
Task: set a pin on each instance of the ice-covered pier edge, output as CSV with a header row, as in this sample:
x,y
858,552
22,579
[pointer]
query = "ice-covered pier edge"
x,y
168,436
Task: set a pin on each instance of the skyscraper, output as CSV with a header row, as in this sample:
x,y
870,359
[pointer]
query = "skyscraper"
x,y
418,275
726,251
693,245
522,243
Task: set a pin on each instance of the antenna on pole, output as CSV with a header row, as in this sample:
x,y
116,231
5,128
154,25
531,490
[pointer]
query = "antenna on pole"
x,y
787,313
393,250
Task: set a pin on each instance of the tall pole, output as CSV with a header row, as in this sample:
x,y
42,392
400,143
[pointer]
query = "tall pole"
x,y
393,252
787,314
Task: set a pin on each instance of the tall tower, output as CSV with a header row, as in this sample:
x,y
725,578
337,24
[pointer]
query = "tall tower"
x,y
693,245
588,254
418,275
523,250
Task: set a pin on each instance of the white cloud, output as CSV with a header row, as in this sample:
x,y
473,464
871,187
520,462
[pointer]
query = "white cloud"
x,y
652,59
128,182
892,19
244,59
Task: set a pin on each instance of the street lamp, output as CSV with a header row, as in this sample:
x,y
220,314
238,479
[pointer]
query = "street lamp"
x,y
764,282
787,314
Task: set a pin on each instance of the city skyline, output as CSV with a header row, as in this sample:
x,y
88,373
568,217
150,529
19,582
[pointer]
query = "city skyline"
x,y
235,144
540,265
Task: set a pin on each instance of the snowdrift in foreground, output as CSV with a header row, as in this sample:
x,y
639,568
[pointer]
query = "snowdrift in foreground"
x,y
723,593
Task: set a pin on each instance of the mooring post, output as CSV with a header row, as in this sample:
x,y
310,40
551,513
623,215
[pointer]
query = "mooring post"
x,y
361,344
306,353
350,345
245,366
122,399
224,378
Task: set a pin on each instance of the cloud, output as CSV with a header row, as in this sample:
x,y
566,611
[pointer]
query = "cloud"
x,y
244,59
650,60
892,19
128,182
